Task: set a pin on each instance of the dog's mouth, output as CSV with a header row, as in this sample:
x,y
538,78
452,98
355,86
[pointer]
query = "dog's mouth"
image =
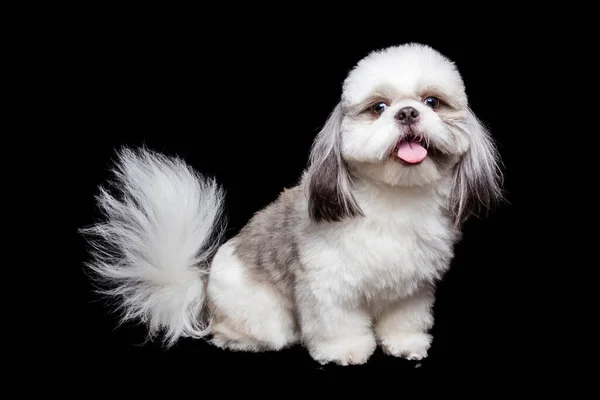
x,y
410,150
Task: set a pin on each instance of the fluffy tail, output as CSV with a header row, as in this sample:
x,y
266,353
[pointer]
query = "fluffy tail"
x,y
152,250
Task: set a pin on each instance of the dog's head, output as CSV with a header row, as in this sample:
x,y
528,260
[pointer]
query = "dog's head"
x,y
403,120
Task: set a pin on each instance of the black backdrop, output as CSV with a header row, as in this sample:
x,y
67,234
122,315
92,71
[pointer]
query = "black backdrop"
x,y
242,102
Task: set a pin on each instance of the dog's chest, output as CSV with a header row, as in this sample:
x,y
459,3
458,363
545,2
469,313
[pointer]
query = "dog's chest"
x,y
385,255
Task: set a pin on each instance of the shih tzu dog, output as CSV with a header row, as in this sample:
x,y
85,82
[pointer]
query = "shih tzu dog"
x,y
345,261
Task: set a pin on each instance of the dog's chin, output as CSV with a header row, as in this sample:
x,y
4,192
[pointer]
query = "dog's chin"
x,y
397,173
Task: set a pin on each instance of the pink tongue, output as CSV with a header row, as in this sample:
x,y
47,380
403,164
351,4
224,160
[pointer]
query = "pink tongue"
x,y
411,152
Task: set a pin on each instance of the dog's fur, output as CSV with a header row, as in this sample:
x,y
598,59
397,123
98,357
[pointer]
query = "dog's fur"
x,y
346,260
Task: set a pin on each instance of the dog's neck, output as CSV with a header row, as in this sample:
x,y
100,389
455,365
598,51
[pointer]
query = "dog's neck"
x,y
362,183
366,189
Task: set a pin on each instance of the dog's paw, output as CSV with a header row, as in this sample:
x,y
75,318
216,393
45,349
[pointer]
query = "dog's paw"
x,y
409,345
344,350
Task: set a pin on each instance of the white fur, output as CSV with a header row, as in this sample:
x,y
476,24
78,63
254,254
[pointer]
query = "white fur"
x,y
363,277
259,309
418,64
149,250
365,266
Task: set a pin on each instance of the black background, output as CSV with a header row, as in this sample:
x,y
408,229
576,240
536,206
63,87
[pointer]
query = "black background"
x,y
241,100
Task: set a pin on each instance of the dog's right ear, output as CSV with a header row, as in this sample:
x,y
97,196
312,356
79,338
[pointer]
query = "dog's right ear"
x,y
329,184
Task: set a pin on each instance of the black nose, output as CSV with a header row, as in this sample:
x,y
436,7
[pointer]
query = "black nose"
x,y
407,115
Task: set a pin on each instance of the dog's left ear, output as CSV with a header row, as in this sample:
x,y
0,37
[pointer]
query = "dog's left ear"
x,y
477,181
329,183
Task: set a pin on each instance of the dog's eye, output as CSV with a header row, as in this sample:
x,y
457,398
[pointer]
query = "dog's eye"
x,y
432,102
379,107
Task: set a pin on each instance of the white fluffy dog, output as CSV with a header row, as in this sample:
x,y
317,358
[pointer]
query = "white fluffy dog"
x,y
346,260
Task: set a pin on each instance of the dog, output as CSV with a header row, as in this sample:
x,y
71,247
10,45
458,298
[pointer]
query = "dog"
x,y
346,260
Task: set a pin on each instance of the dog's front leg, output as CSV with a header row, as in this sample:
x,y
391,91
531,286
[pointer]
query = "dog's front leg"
x,y
333,331
402,329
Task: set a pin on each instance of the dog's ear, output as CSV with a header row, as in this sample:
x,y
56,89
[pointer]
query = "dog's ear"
x,y
477,180
329,183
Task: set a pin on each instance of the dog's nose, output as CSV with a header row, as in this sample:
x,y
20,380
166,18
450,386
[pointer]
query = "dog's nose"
x,y
407,115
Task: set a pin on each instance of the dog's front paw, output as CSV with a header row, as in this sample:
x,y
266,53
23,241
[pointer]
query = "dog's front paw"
x,y
344,350
409,345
